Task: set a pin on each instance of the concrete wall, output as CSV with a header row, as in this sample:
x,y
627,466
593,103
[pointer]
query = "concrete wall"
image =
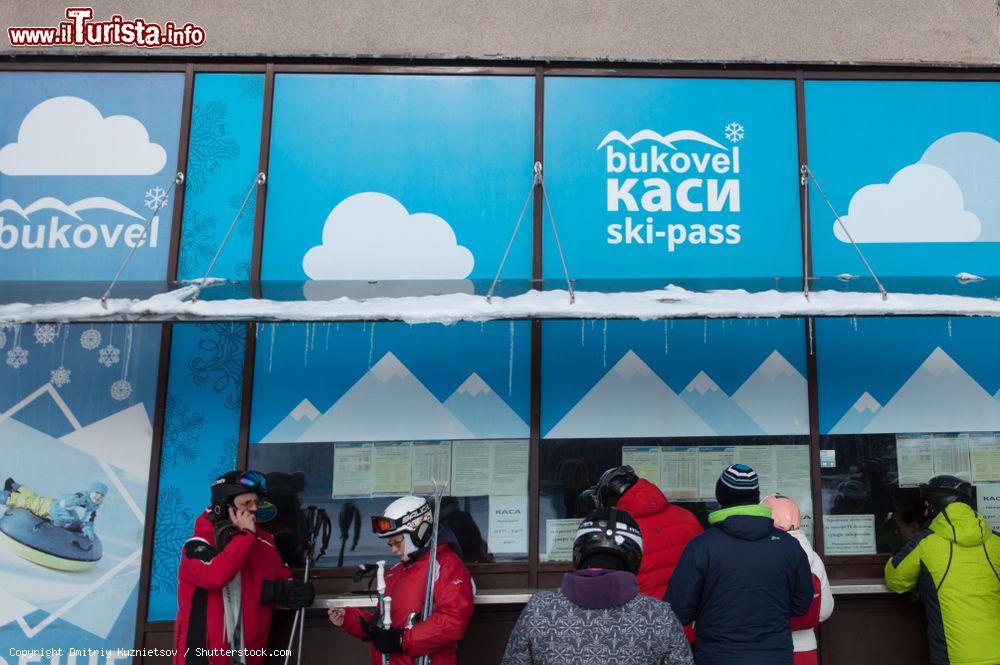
x,y
955,32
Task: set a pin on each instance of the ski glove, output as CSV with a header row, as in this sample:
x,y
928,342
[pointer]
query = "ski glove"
x,y
386,640
293,594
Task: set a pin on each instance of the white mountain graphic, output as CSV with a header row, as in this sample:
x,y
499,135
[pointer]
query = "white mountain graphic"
x,y
716,408
71,209
294,424
858,416
939,397
630,401
388,403
665,139
776,397
122,440
484,412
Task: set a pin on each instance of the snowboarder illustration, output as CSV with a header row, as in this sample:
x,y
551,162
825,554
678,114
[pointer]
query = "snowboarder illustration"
x,y
53,532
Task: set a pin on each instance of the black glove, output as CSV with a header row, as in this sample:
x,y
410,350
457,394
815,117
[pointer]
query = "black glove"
x,y
224,532
293,594
386,640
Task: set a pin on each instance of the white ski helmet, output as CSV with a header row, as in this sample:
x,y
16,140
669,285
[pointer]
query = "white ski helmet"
x,y
410,515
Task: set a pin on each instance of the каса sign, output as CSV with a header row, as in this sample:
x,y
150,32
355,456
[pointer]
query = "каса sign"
x,y
650,174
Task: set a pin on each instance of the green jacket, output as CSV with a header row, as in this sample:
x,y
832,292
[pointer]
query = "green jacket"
x,y
955,566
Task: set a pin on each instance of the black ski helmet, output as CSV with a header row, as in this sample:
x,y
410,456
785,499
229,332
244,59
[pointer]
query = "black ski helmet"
x,y
613,483
609,532
941,491
230,485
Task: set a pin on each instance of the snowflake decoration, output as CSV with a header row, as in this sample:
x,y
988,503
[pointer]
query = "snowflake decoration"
x,y
210,145
3,339
156,198
17,357
121,390
109,355
222,365
734,132
59,376
45,334
181,432
90,339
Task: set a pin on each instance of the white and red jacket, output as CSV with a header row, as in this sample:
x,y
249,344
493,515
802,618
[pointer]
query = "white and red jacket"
x,y
437,635
804,638
204,574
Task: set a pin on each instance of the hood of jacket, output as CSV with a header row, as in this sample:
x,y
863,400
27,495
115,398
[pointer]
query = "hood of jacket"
x,y
446,537
643,499
599,589
960,524
747,522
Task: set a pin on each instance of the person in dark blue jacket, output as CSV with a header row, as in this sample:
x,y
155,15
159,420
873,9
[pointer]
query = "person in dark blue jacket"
x,y
742,581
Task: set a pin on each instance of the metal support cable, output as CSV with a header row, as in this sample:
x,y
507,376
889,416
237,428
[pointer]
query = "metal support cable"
x,y
510,243
258,181
807,173
178,180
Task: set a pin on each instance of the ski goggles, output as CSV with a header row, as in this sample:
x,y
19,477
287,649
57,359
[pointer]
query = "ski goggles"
x,y
253,480
386,526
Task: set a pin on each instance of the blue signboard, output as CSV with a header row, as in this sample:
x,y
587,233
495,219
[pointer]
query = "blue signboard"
x,y
634,379
908,374
911,168
392,178
85,160
76,403
672,178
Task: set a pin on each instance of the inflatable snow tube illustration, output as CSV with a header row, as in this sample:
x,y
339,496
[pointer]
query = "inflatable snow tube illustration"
x,y
41,543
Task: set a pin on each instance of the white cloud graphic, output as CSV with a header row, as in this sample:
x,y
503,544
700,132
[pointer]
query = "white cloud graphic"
x,y
972,159
922,203
371,236
69,136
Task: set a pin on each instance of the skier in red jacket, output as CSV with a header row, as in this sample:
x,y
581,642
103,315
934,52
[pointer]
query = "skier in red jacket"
x,y
230,577
406,524
666,528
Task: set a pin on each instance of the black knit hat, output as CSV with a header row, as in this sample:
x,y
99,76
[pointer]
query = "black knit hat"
x,y
738,485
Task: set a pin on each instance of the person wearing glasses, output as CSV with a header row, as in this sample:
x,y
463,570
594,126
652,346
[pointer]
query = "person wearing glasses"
x,y
230,577
406,525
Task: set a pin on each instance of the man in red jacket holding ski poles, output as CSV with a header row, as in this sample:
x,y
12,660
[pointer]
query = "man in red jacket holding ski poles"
x,y
230,578
407,525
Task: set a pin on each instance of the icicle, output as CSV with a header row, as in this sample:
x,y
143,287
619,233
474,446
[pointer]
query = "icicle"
x,y
665,327
256,331
705,340
510,362
326,346
371,345
482,326
270,355
854,323
305,347
605,352
312,337
583,332
949,327
810,325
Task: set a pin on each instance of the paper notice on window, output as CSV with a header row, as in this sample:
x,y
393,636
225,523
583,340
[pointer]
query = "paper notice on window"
x,y
509,467
559,538
391,468
644,460
508,532
988,501
914,459
352,470
470,468
762,459
794,475
984,451
679,473
431,459
951,455
849,534
712,461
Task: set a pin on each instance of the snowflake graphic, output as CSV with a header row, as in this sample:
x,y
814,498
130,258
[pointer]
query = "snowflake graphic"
x,y
109,355
198,244
17,357
156,198
226,461
45,334
245,226
224,343
251,85
60,376
121,390
211,145
90,339
181,430
173,526
734,132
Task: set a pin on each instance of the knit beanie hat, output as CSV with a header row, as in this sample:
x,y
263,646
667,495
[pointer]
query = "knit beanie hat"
x,y
737,485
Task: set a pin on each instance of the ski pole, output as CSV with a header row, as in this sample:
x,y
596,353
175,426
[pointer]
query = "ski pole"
x,y
385,602
432,561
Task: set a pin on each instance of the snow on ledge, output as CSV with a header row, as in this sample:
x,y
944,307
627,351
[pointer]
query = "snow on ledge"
x,y
668,303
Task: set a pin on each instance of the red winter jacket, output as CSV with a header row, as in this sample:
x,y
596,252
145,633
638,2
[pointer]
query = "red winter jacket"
x,y
204,573
666,529
439,634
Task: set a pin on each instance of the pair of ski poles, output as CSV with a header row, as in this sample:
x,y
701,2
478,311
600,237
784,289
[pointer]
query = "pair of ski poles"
x,y
318,528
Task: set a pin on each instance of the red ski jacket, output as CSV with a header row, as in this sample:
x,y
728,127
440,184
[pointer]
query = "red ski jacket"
x,y
204,572
439,634
666,529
